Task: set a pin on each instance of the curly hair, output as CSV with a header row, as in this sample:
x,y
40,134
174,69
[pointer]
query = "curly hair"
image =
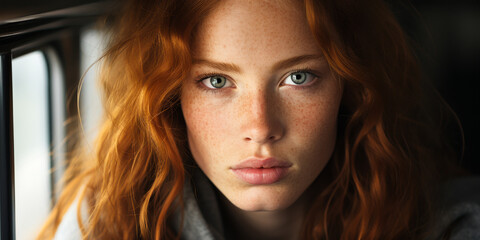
x,y
377,185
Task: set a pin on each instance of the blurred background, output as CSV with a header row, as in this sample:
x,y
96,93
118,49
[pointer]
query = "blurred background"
x,y
52,43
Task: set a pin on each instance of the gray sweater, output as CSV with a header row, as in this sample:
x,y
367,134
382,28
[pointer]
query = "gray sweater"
x,y
459,213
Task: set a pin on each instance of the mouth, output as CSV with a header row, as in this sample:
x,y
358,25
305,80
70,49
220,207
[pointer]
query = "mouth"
x,y
261,172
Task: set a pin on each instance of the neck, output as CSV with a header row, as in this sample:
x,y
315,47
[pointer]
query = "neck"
x,y
279,224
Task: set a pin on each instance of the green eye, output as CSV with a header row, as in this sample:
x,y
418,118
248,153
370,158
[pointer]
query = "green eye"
x,y
218,81
298,77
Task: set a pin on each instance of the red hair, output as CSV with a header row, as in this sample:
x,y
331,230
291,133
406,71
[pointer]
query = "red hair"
x,y
375,186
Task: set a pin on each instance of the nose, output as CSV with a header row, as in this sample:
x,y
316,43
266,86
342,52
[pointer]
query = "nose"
x,y
261,121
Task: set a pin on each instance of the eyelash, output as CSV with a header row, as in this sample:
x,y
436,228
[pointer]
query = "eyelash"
x,y
202,77
314,73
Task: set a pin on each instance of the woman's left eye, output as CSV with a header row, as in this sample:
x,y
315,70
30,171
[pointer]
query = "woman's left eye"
x,y
299,78
216,82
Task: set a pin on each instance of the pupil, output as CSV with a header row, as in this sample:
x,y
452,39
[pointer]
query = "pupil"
x,y
298,78
217,82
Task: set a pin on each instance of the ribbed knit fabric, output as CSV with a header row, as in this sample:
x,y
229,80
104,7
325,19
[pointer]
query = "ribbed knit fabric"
x,y
458,210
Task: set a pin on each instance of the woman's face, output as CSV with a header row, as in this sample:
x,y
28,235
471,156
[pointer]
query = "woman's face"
x,y
260,104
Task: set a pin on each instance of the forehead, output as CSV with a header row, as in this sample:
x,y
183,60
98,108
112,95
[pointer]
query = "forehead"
x,y
254,32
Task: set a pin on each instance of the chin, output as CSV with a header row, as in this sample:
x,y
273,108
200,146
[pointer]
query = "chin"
x,y
263,198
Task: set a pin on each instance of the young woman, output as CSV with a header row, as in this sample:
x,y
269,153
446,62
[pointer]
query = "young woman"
x,y
262,120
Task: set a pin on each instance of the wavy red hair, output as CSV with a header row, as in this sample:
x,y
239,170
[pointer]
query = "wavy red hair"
x,y
375,186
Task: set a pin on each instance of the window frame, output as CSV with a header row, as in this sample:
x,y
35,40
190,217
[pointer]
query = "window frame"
x,y
53,33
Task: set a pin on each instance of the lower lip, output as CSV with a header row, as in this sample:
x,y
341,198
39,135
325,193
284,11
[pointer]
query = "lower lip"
x,y
259,176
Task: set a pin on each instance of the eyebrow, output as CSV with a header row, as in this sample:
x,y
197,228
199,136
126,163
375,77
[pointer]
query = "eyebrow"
x,y
295,61
230,67
226,67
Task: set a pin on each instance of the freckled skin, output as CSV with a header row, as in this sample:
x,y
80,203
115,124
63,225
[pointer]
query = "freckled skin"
x,y
258,115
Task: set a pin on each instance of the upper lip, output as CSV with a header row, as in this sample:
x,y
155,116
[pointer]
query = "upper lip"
x,y
262,163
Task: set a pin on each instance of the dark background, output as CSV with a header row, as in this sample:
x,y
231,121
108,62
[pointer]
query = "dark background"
x,y
445,35
446,38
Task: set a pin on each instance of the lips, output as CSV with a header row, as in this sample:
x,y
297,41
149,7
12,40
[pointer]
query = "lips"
x,y
261,171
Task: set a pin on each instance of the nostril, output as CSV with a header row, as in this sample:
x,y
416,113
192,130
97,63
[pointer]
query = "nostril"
x,y
269,139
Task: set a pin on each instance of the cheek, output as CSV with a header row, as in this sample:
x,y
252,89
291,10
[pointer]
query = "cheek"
x,y
313,132
315,119
207,127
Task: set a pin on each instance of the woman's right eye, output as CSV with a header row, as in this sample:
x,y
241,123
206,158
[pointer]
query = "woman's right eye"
x,y
215,82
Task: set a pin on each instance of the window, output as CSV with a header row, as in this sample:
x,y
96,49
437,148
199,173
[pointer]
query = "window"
x,y
42,57
31,142
90,103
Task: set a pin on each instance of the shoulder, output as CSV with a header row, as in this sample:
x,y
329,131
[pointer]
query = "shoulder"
x,y
201,216
69,228
459,211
